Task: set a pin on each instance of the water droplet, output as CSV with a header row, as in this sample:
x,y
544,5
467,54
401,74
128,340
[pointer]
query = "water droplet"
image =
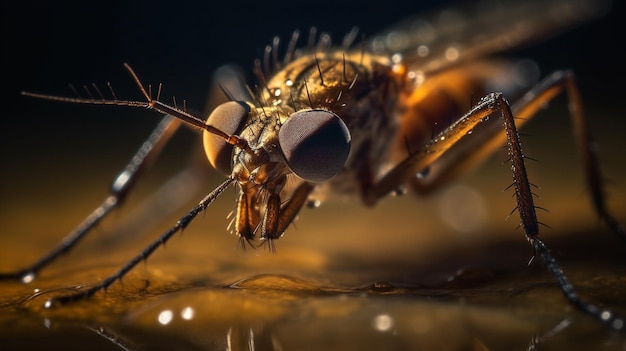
x,y
314,203
187,313
525,73
29,277
397,41
423,51
382,286
399,191
452,53
383,322
165,317
423,173
463,209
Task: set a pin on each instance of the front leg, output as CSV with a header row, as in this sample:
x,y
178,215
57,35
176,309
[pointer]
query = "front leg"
x,y
279,216
273,219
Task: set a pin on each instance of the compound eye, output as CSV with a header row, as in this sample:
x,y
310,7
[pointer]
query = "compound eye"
x,y
316,144
228,117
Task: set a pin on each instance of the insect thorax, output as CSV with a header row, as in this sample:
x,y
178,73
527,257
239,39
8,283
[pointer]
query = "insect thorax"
x,y
360,88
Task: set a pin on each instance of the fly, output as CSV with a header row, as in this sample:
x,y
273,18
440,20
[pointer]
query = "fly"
x,y
369,118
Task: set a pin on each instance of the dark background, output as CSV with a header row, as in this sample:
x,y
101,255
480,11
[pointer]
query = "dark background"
x,y
47,45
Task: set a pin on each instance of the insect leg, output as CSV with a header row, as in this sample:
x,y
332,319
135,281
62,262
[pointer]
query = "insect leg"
x,y
490,104
424,158
484,143
528,216
279,216
276,216
180,225
120,188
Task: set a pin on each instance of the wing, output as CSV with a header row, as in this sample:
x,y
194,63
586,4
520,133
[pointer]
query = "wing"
x,y
438,40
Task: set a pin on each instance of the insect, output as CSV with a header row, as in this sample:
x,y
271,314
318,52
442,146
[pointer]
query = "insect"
x,y
365,118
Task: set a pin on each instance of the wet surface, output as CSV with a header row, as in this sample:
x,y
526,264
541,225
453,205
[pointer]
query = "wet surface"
x,y
282,312
203,293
